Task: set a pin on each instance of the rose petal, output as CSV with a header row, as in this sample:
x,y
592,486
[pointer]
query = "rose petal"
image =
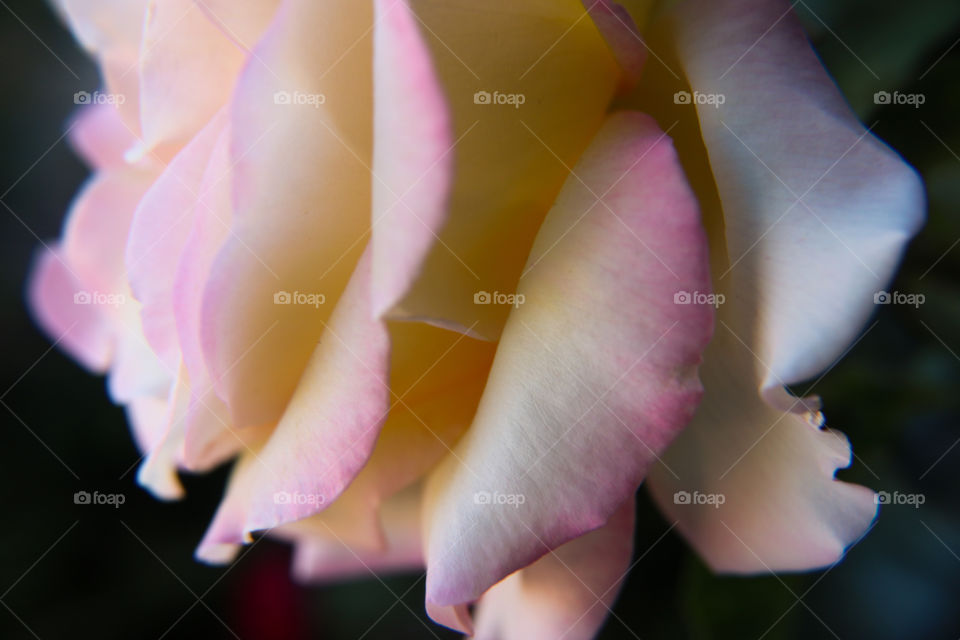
x,y
348,520
309,168
623,37
807,269
79,329
322,558
89,265
212,215
207,440
412,161
595,372
100,137
242,22
94,240
223,537
187,70
136,370
325,439
801,293
330,425
102,24
437,378
112,30
158,472
422,382
566,593
510,159
209,437
158,234
147,416
95,231
782,509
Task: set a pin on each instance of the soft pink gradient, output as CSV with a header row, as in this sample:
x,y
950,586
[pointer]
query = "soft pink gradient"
x,y
344,150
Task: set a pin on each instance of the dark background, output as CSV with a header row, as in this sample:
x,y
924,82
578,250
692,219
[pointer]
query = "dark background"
x,y
79,571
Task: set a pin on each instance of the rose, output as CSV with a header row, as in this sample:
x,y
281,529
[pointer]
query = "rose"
x,y
397,198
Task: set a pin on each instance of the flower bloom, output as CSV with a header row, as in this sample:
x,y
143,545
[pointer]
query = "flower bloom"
x,y
449,280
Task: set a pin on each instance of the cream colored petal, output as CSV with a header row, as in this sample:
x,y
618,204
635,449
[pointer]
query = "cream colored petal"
x,y
510,158
301,125
595,372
